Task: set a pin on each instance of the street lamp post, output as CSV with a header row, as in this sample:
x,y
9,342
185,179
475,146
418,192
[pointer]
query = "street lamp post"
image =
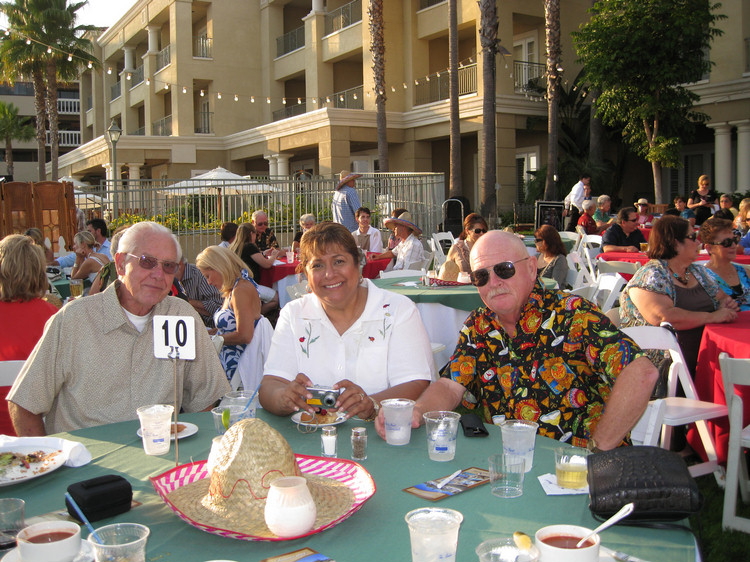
x,y
113,133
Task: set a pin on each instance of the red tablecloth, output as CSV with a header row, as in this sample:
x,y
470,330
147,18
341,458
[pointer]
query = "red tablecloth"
x,y
643,258
270,276
734,339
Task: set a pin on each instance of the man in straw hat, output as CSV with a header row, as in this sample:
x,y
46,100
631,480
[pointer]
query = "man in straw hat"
x,y
250,456
409,250
540,355
95,362
346,201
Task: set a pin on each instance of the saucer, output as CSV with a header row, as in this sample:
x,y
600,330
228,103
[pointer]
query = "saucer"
x,y
86,554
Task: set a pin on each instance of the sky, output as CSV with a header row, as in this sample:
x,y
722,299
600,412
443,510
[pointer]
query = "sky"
x,y
103,13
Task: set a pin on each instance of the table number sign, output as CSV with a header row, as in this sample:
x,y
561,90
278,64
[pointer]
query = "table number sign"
x,y
174,334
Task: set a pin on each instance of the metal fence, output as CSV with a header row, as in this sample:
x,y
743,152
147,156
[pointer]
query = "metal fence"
x,y
195,209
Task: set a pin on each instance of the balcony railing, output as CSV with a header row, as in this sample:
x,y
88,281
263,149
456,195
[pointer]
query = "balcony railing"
x,y
290,110
139,132
291,41
67,138
438,86
68,106
202,47
204,123
162,127
163,58
115,91
346,99
136,77
529,77
346,15
427,3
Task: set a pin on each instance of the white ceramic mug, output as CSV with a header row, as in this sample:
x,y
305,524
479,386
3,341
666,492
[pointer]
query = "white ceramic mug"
x,y
551,553
64,549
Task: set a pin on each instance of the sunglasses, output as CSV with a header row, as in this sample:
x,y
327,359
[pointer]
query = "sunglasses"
x,y
504,270
631,220
149,262
261,223
480,231
692,236
726,243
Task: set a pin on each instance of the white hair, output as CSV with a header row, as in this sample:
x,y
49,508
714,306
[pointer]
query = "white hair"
x,y
258,213
588,204
305,218
603,199
129,241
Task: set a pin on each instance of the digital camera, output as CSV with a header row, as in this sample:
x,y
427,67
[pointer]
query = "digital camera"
x,y
323,396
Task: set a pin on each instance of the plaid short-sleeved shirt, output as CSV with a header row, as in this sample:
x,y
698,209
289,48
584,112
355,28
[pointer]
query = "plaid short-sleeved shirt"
x,y
558,370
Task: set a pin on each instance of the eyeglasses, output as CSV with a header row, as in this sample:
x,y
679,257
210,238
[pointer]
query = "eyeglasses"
x,y
631,220
537,240
480,231
726,243
504,270
692,236
149,262
643,204
261,223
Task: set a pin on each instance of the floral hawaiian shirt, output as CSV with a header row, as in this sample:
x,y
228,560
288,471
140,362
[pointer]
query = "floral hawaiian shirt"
x,y
558,370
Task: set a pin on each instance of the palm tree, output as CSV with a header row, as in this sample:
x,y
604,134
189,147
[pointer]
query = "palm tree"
x,y
13,127
490,43
377,48
552,32
455,124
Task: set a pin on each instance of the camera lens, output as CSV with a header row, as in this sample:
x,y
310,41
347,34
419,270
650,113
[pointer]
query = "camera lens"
x,y
329,399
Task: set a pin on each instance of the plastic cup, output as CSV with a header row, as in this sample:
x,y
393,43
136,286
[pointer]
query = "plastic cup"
x,y
156,422
518,439
505,550
11,520
442,428
235,415
240,398
76,288
548,538
60,541
434,533
506,475
289,257
570,467
397,412
124,542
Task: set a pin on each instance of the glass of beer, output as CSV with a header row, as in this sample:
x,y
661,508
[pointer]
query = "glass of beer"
x,y
76,288
644,247
570,467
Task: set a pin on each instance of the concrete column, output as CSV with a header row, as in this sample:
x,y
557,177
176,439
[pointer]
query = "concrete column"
x,y
273,164
317,6
129,59
153,39
722,156
743,154
133,194
283,164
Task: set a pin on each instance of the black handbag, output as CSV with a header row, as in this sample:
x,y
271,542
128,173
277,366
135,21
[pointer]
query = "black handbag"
x,y
656,480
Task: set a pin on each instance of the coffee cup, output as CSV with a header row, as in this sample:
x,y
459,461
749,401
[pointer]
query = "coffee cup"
x,y
557,543
51,541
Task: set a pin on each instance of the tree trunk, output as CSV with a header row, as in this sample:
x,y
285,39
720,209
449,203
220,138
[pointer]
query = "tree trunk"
x,y
596,135
552,33
377,48
52,115
41,116
455,125
488,38
9,156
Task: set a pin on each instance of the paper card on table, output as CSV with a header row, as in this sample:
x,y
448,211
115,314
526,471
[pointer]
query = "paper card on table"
x,y
468,479
301,555
408,284
549,483
174,334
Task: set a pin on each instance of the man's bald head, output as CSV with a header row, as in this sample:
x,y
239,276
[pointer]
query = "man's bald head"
x,y
510,244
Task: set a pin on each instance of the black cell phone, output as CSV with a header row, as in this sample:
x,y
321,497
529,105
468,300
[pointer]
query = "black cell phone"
x,y
473,426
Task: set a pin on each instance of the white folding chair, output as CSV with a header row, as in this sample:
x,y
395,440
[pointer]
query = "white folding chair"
x,y
678,410
591,246
617,267
578,273
608,289
298,290
445,240
437,252
574,236
735,372
250,367
585,291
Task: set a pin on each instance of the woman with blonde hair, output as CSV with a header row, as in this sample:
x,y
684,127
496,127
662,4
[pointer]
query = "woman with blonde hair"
x,y
244,246
741,220
236,319
702,200
88,262
36,235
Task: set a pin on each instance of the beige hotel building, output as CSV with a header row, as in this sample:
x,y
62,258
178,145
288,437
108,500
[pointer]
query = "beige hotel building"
x,y
282,86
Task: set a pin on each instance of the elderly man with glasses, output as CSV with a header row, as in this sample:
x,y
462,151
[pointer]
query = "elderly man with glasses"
x,y
95,361
624,236
540,355
265,238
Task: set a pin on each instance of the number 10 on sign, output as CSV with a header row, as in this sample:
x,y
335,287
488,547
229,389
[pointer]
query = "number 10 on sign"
x,y
174,333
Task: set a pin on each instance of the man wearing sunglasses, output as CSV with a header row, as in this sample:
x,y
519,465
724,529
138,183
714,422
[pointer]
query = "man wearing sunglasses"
x,y
95,361
624,236
265,238
540,355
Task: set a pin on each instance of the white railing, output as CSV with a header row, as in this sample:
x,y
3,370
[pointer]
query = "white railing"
x,y
67,138
68,106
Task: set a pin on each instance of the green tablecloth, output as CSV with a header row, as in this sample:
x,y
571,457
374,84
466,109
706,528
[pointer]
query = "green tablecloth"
x,y
63,286
376,532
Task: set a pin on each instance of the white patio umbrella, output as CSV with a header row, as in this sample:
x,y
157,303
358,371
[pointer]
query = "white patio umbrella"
x,y
218,178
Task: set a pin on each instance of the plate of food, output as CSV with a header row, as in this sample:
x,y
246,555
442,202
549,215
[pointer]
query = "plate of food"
x,y
321,418
18,464
184,429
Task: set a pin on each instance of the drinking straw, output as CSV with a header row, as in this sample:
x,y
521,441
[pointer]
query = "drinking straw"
x,y
83,518
251,399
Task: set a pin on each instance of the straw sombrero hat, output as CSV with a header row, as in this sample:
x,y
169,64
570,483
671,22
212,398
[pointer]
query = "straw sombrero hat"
x,y
642,201
403,219
230,501
345,177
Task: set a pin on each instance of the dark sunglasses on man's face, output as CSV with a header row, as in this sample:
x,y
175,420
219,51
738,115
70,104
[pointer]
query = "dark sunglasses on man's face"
x,y
726,243
504,270
692,236
150,262
631,220
480,231
261,223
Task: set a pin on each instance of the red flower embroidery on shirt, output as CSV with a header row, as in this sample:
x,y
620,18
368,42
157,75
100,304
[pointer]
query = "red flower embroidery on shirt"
x,y
302,339
371,338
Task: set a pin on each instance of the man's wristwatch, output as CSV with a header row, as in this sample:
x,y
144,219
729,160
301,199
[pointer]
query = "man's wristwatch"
x,y
591,446
376,406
